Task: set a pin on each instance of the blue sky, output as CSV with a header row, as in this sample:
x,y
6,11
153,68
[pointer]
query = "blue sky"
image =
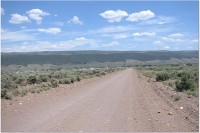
x,y
59,26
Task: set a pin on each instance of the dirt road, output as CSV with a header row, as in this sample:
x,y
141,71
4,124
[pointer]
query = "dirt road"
x,y
119,101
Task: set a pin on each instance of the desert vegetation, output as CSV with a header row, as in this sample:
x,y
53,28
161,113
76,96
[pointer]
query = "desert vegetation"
x,y
23,82
181,77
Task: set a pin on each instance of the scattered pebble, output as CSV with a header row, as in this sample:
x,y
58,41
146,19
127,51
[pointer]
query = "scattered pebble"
x,y
181,107
20,103
149,119
15,110
158,112
170,113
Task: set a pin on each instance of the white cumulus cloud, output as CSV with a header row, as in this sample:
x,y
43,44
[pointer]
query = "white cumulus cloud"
x,y
195,40
2,11
112,29
176,35
116,36
159,43
143,15
172,40
37,14
160,20
139,34
50,30
75,20
166,47
18,19
81,39
114,16
111,44
15,36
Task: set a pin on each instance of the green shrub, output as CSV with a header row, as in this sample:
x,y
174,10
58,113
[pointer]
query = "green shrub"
x,y
102,73
180,74
16,92
189,64
45,85
38,81
67,81
3,93
7,83
33,90
49,84
78,78
162,76
32,79
61,81
21,80
185,84
44,78
98,75
95,71
24,92
54,83
177,98
8,96
173,74
14,77
73,79
194,93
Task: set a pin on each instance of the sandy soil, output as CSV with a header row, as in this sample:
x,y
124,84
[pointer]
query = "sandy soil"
x,y
120,101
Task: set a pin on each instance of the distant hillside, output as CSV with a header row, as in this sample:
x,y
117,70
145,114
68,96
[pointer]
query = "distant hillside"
x,y
85,57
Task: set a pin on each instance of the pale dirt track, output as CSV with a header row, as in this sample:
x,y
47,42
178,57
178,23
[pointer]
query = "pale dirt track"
x,y
119,101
